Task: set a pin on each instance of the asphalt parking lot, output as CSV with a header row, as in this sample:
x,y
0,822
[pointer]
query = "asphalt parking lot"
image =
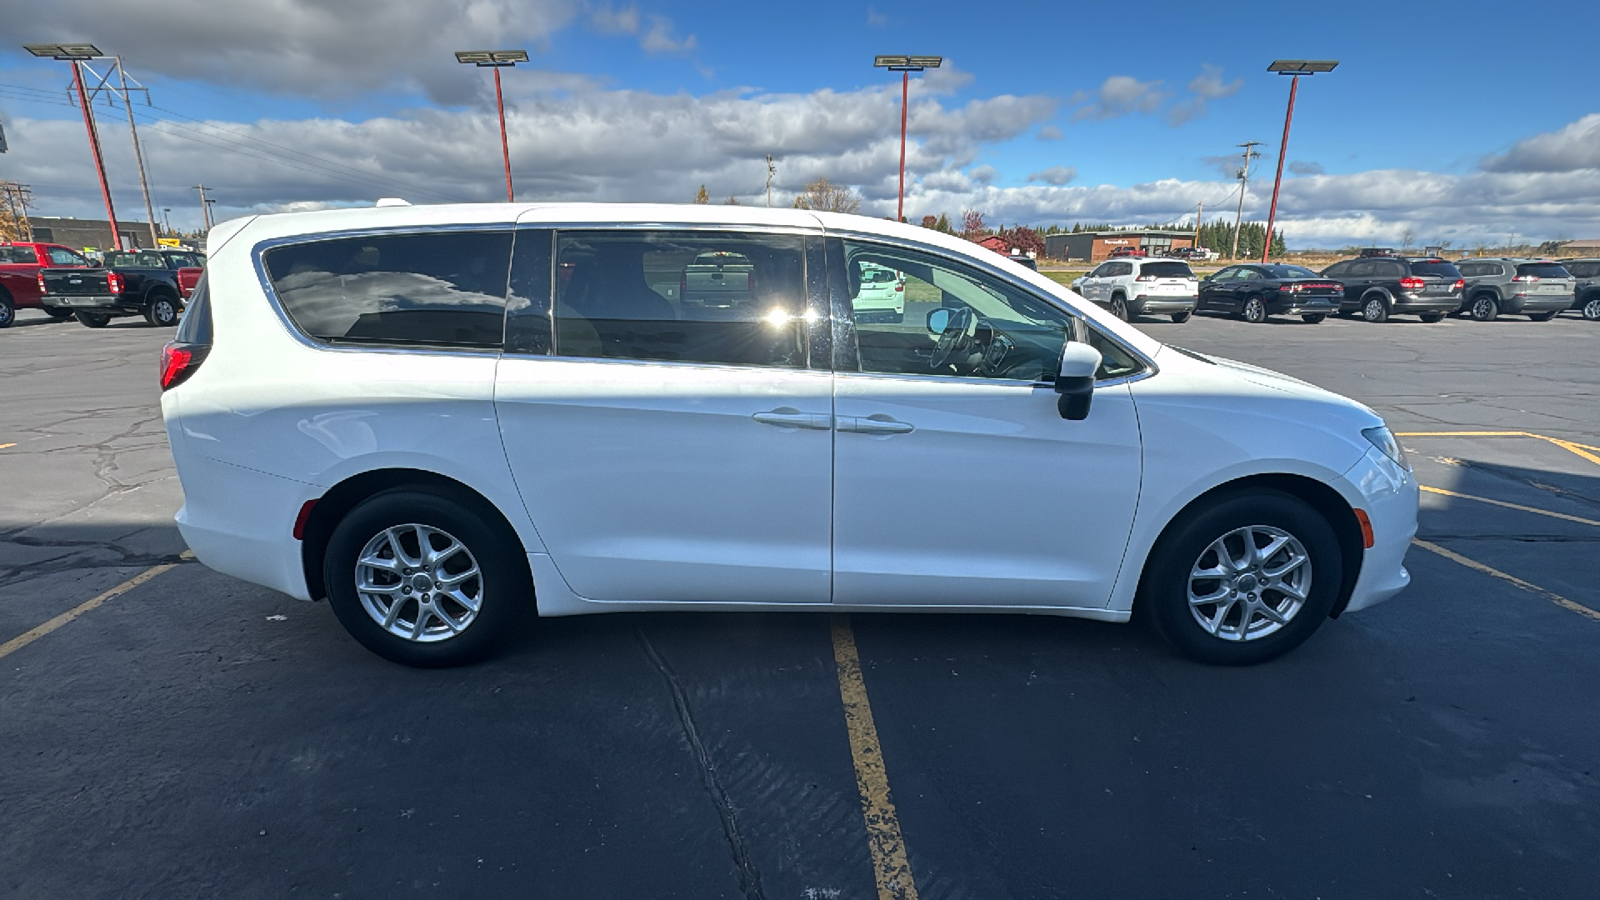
x,y
194,736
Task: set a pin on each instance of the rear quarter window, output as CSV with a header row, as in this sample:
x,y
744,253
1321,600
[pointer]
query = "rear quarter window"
x,y
438,289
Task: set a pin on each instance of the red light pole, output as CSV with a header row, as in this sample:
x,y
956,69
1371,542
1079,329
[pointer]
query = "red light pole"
x,y
76,54
1296,68
497,60
905,65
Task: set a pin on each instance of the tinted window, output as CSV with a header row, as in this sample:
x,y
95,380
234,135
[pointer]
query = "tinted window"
x,y
131,259
1290,272
1248,275
1167,270
1584,270
650,295
1441,269
1336,270
528,305
10,255
195,327
444,289
1018,336
1543,270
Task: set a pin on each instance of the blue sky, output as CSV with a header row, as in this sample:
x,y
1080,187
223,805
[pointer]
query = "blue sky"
x,y
309,105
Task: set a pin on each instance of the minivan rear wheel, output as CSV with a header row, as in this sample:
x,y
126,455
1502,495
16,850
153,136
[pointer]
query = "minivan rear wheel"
x,y
1243,580
420,580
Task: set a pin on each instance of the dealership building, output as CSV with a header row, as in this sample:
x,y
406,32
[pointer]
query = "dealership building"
x,y
84,234
1094,246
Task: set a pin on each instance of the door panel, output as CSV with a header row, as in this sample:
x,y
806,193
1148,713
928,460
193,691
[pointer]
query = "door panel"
x,y
991,498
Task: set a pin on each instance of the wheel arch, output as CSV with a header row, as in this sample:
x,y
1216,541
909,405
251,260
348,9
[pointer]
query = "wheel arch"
x,y
339,500
1329,503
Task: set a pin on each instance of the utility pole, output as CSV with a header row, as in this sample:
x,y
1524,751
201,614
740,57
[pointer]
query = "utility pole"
x,y
1199,213
205,205
1244,185
14,200
76,54
771,171
133,130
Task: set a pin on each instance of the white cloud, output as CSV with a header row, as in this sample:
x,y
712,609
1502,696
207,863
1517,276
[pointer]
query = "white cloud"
x,y
1574,147
1205,87
1056,175
1050,133
662,39
1119,95
983,174
875,18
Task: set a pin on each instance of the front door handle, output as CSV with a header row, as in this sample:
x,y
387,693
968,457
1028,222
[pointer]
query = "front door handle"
x,y
874,424
789,417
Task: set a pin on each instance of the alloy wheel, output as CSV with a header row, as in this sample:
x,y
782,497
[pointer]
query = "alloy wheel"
x,y
419,583
1484,309
1249,583
1591,310
1255,310
1374,310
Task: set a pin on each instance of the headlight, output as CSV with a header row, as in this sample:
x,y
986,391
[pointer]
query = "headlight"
x,y
1382,438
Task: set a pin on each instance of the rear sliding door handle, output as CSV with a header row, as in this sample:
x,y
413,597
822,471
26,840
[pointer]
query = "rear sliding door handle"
x,y
875,424
789,417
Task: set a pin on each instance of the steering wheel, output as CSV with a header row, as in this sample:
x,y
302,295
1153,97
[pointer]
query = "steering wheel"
x,y
956,337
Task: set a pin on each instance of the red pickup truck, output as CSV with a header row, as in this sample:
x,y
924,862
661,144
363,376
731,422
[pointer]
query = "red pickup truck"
x,y
20,265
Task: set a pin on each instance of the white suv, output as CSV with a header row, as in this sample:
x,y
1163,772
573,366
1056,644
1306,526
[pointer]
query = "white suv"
x,y
443,418
1137,287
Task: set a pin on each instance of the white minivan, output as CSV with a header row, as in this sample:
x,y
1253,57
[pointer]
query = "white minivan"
x,y
441,418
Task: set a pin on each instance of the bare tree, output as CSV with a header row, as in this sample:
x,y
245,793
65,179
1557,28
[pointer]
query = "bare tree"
x,y
702,196
823,195
731,201
1406,237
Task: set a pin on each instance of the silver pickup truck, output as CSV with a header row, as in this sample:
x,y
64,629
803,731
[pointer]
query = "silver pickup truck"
x,y
718,279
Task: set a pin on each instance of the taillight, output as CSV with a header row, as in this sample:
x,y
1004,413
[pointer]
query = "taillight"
x,y
1460,284
42,288
1526,279
898,287
114,282
1146,278
1412,283
683,284
178,362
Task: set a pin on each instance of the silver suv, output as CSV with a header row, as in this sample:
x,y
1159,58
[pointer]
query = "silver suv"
x,y
1537,288
1137,287
1586,295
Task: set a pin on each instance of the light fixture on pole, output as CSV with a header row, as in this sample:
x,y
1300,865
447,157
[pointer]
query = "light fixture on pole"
x,y
1295,68
905,65
77,54
497,60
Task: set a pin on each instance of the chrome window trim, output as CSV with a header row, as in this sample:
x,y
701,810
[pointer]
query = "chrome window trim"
x,y
671,226
1150,367
259,249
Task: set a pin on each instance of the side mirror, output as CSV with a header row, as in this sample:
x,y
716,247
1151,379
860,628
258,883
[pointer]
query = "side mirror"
x,y
938,319
1075,380
1207,278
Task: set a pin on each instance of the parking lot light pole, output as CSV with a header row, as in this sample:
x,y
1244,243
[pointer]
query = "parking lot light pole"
x,y
905,65
1295,68
497,60
76,54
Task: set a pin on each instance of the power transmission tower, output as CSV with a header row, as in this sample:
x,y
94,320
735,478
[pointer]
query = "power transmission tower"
x,y
771,171
133,130
1244,185
205,205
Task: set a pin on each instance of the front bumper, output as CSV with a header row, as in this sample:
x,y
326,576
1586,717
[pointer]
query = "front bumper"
x,y
1389,496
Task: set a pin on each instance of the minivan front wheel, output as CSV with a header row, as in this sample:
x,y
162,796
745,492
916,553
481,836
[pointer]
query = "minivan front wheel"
x,y
420,580
1245,580
1374,309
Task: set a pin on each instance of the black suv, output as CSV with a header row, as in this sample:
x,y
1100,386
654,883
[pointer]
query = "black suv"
x,y
1587,295
1380,286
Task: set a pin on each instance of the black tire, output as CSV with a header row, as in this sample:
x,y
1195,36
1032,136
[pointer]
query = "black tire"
x,y
1485,308
1591,308
1542,317
58,313
93,320
1119,307
1313,318
162,311
1374,308
1254,310
8,311
1182,317
1164,590
502,588
1431,318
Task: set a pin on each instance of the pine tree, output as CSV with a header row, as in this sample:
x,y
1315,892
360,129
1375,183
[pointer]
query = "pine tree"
x,y
702,196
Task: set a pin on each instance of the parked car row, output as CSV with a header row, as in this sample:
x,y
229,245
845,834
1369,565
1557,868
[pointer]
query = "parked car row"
x,y
66,284
1373,286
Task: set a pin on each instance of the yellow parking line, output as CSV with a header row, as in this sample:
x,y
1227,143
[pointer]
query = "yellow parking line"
x,y
1517,506
39,631
1531,588
891,870
1579,449
1592,454
6,446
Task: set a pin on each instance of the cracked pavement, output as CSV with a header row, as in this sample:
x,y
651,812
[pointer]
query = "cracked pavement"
x,y
198,736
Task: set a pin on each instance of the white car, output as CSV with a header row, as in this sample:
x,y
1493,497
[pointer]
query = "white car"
x,y
440,418
1132,287
880,296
